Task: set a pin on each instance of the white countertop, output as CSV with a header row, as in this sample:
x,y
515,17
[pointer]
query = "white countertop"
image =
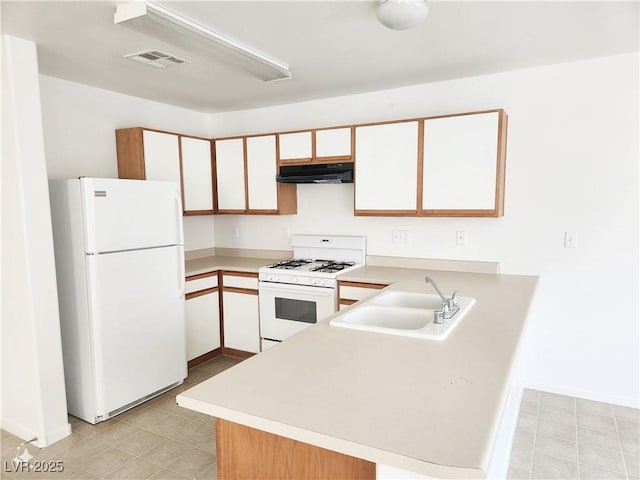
x,y
425,406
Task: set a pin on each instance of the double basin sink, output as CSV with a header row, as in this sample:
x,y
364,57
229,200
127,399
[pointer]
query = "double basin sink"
x,y
403,313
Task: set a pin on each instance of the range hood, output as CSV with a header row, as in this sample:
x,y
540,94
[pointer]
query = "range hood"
x,y
316,173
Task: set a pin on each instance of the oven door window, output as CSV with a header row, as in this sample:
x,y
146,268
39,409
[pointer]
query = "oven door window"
x,y
296,310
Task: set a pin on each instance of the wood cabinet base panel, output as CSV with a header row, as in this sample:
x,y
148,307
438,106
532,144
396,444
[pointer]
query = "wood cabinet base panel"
x,y
247,453
204,357
233,352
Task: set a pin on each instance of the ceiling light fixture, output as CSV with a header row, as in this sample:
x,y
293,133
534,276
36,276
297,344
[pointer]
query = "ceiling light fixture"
x,y
152,19
402,14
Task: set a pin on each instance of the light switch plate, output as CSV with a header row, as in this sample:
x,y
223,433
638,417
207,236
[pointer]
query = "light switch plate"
x,y
400,237
461,238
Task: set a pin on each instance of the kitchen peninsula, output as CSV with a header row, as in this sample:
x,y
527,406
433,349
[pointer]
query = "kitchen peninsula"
x,y
428,407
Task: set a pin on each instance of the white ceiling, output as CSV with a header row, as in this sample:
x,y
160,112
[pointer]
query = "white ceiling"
x,y
333,47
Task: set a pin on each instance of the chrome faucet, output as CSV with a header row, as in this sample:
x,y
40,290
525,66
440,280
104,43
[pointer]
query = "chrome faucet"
x,y
449,305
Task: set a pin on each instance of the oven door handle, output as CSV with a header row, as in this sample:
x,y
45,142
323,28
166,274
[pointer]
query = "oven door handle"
x,y
317,291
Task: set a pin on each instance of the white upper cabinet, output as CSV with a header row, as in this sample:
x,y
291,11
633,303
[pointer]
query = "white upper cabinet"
x,y
152,155
295,146
196,174
261,173
161,156
333,142
230,174
463,164
386,168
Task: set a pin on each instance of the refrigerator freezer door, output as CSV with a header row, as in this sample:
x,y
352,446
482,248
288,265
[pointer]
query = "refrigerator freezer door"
x,y
136,300
129,214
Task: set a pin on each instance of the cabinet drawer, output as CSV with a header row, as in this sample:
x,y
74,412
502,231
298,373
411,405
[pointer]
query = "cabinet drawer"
x,y
197,283
240,281
359,291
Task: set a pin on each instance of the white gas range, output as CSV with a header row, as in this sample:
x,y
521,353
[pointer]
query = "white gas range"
x,y
298,292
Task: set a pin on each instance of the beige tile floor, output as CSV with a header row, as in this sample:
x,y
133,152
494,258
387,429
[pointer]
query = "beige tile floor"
x,y
156,440
557,437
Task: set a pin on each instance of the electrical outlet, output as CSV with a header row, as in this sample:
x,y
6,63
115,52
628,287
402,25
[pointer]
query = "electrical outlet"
x,y
461,238
235,233
286,233
570,239
400,237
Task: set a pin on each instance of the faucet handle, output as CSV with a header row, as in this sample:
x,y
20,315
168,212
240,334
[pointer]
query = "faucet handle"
x,y
451,302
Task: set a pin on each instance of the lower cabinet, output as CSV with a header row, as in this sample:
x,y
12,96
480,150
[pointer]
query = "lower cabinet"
x,y
202,314
208,334
240,315
203,324
241,325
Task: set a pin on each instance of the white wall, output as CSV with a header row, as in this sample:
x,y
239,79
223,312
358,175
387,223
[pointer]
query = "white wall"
x,y
79,135
33,393
572,165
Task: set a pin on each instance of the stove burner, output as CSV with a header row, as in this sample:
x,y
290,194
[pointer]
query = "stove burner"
x,y
332,267
290,264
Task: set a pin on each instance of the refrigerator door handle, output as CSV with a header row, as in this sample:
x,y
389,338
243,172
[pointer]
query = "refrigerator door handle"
x,y
179,214
181,267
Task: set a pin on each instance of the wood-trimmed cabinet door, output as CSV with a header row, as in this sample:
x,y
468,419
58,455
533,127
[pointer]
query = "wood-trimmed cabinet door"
x,y
161,156
241,321
230,175
155,155
197,175
262,189
386,169
202,315
240,314
246,169
333,145
295,147
464,165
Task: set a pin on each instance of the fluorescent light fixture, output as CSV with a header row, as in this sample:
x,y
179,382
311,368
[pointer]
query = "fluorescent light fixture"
x,y
152,19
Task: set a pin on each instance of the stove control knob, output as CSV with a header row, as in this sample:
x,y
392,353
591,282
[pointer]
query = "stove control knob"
x,y
294,280
314,281
322,282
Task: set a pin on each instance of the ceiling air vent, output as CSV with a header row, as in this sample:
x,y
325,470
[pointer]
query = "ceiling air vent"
x,y
156,58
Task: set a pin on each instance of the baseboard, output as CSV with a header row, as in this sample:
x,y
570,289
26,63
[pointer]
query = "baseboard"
x,y
28,434
586,394
54,436
204,357
232,352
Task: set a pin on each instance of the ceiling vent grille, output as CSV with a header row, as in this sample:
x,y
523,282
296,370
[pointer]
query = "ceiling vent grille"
x,y
156,58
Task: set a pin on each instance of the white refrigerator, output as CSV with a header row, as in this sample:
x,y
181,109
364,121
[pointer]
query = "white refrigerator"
x,y
120,271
